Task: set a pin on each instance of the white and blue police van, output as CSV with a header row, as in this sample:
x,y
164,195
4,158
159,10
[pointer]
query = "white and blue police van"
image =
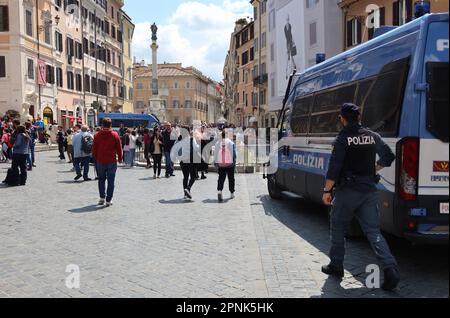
x,y
400,80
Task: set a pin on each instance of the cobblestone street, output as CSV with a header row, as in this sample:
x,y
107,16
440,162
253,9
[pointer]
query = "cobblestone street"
x,y
153,244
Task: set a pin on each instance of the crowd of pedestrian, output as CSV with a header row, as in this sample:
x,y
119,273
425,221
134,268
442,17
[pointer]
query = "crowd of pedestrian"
x,y
18,149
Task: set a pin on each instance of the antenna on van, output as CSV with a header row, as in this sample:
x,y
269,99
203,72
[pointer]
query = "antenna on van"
x,y
286,95
288,88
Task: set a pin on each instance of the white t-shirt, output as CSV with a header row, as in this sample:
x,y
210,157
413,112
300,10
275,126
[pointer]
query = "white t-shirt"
x,y
133,142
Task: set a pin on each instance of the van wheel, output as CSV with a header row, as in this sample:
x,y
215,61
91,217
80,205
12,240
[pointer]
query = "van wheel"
x,y
275,191
354,231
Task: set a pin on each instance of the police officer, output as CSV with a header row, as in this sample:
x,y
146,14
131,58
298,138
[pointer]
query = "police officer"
x,y
352,176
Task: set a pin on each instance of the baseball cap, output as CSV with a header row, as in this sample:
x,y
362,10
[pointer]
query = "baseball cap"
x,y
350,109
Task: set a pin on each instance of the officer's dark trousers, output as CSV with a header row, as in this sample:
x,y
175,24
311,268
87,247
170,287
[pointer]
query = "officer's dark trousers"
x,y
347,204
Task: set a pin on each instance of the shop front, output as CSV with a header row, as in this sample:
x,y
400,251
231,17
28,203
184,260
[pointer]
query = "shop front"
x,y
91,118
48,116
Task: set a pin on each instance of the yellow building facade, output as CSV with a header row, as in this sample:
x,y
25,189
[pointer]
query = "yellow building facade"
x,y
128,91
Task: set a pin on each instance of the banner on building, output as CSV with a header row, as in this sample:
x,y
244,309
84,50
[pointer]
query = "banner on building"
x,y
42,73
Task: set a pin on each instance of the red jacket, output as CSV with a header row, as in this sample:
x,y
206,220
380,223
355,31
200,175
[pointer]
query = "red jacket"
x,y
107,148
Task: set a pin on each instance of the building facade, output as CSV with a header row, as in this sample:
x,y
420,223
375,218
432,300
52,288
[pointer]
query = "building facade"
x,y
183,92
260,75
231,75
214,102
26,29
297,32
57,58
128,31
114,41
362,17
93,15
245,99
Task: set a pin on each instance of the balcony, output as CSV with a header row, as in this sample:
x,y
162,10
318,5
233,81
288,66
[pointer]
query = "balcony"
x,y
261,80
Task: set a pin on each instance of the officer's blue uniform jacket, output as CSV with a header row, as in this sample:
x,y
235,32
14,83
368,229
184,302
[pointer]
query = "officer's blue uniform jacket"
x,y
353,161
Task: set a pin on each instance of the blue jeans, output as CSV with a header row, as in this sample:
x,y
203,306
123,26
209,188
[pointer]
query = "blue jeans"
x,y
347,204
84,161
132,157
169,164
127,157
30,159
106,172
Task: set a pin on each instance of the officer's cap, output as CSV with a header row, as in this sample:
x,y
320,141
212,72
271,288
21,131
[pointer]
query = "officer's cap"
x,y
350,109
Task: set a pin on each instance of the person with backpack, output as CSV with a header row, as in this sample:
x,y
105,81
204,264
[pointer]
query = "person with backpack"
x,y
225,160
82,151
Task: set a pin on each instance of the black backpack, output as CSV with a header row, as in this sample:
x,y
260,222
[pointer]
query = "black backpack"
x,y
12,178
86,144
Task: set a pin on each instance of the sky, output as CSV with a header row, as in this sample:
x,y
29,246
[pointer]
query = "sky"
x,y
195,33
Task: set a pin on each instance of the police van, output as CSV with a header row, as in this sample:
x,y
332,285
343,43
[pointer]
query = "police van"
x,y
400,80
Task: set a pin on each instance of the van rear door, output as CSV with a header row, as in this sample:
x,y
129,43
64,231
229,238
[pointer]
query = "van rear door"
x,y
434,132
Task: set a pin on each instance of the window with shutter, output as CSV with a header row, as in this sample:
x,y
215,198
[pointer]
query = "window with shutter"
x,y
359,31
4,19
30,69
349,33
29,23
396,13
87,83
2,67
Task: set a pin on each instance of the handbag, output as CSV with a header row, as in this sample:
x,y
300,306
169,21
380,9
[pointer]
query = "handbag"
x,y
126,148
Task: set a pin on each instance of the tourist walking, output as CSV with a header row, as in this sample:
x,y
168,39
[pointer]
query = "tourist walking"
x,y
225,160
133,145
82,151
6,144
189,159
60,139
32,132
126,148
147,141
69,149
169,138
21,151
107,151
156,149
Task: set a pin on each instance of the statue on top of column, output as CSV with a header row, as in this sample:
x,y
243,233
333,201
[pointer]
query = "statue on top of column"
x,y
154,31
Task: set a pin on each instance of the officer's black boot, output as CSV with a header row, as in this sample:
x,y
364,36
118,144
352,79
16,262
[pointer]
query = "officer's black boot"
x,y
391,279
332,270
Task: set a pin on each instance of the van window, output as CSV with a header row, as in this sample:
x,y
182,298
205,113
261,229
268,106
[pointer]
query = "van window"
x,y
300,115
327,106
381,101
285,124
437,105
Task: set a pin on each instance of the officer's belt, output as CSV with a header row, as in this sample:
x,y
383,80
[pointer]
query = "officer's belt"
x,y
352,179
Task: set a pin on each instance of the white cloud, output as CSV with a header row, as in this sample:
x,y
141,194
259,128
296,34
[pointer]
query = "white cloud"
x,y
197,34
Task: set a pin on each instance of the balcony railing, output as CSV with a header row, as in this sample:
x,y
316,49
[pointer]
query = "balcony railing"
x,y
260,80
